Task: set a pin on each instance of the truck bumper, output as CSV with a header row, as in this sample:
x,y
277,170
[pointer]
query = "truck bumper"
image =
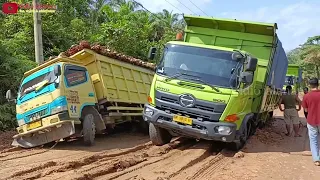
x,y
207,130
48,132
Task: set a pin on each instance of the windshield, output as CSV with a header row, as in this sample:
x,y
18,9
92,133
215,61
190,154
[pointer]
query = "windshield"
x,y
214,67
289,80
32,84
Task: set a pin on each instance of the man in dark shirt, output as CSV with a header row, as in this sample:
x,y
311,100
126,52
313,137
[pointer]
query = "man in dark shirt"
x,y
291,116
311,104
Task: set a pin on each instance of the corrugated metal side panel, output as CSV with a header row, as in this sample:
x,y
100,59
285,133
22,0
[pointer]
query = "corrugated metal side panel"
x,y
279,67
123,82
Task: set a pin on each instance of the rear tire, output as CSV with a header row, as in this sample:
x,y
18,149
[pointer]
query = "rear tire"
x,y
159,136
89,130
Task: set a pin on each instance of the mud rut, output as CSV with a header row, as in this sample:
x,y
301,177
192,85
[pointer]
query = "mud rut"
x,y
181,159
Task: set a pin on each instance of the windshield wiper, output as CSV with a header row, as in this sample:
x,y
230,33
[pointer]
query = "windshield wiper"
x,y
206,83
178,75
27,92
46,83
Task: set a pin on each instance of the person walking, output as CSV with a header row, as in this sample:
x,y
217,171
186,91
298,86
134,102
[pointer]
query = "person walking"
x,y
290,110
311,104
305,91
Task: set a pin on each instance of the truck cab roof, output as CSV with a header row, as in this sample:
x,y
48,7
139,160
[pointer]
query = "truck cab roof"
x,y
51,62
204,46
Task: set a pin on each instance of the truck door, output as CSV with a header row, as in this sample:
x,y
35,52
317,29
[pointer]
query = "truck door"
x,y
79,89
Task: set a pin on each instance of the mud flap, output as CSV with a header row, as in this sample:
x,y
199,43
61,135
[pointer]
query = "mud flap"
x,y
44,136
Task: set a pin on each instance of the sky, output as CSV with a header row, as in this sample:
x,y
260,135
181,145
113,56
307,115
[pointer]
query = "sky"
x,y
297,20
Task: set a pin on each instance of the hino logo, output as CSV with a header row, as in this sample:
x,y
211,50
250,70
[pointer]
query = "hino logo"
x,y
187,100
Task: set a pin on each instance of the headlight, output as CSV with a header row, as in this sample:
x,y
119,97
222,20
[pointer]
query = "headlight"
x,y
148,112
58,109
224,130
20,122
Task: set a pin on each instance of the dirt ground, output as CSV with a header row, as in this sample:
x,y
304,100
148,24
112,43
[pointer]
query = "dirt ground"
x,y
130,156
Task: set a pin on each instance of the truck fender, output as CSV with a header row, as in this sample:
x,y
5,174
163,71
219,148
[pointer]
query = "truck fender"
x,y
100,125
244,122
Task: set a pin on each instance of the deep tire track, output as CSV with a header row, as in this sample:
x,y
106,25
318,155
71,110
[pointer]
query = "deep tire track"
x,y
181,147
109,162
22,156
214,162
78,163
205,155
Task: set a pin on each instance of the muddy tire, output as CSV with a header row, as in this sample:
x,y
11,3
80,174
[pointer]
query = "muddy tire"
x,y
236,146
159,136
89,130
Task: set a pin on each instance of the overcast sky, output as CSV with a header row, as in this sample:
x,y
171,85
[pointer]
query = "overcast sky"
x,y
297,20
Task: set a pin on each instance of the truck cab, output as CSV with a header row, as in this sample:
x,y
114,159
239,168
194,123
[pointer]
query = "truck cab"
x,y
53,99
293,78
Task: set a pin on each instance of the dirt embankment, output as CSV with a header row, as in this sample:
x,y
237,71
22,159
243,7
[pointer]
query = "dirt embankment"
x,y
6,139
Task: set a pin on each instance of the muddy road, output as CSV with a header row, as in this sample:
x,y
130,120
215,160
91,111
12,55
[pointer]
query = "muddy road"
x,y
128,156
125,155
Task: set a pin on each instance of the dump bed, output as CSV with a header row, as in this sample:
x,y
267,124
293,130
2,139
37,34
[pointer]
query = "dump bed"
x,y
259,39
115,80
277,75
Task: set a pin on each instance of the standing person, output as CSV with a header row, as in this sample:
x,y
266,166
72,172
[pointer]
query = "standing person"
x,y
291,115
311,104
305,91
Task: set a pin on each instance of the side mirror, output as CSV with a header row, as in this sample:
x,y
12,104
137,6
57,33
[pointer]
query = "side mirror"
x,y
252,64
152,53
57,70
246,77
8,95
237,56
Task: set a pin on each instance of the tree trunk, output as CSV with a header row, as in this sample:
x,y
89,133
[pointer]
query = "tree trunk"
x,y
317,71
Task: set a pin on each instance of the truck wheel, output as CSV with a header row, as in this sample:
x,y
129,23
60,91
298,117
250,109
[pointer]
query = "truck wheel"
x,y
89,130
159,136
236,146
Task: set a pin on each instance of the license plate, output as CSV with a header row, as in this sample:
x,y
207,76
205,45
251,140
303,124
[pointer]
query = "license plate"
x,y
34,125
182,119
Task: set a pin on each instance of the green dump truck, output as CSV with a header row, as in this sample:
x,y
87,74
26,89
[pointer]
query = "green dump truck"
x,y
221,82
293,78
80,96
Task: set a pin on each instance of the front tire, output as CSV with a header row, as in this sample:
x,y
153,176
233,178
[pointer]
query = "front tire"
x,y
159,136
247,132
89,130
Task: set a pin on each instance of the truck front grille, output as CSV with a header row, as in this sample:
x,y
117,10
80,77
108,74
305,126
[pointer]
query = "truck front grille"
x,y
208,111
206,108
37,115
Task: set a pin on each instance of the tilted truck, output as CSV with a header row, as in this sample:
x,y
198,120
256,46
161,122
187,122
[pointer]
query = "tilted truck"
x,y
81,95
220,82
293,78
